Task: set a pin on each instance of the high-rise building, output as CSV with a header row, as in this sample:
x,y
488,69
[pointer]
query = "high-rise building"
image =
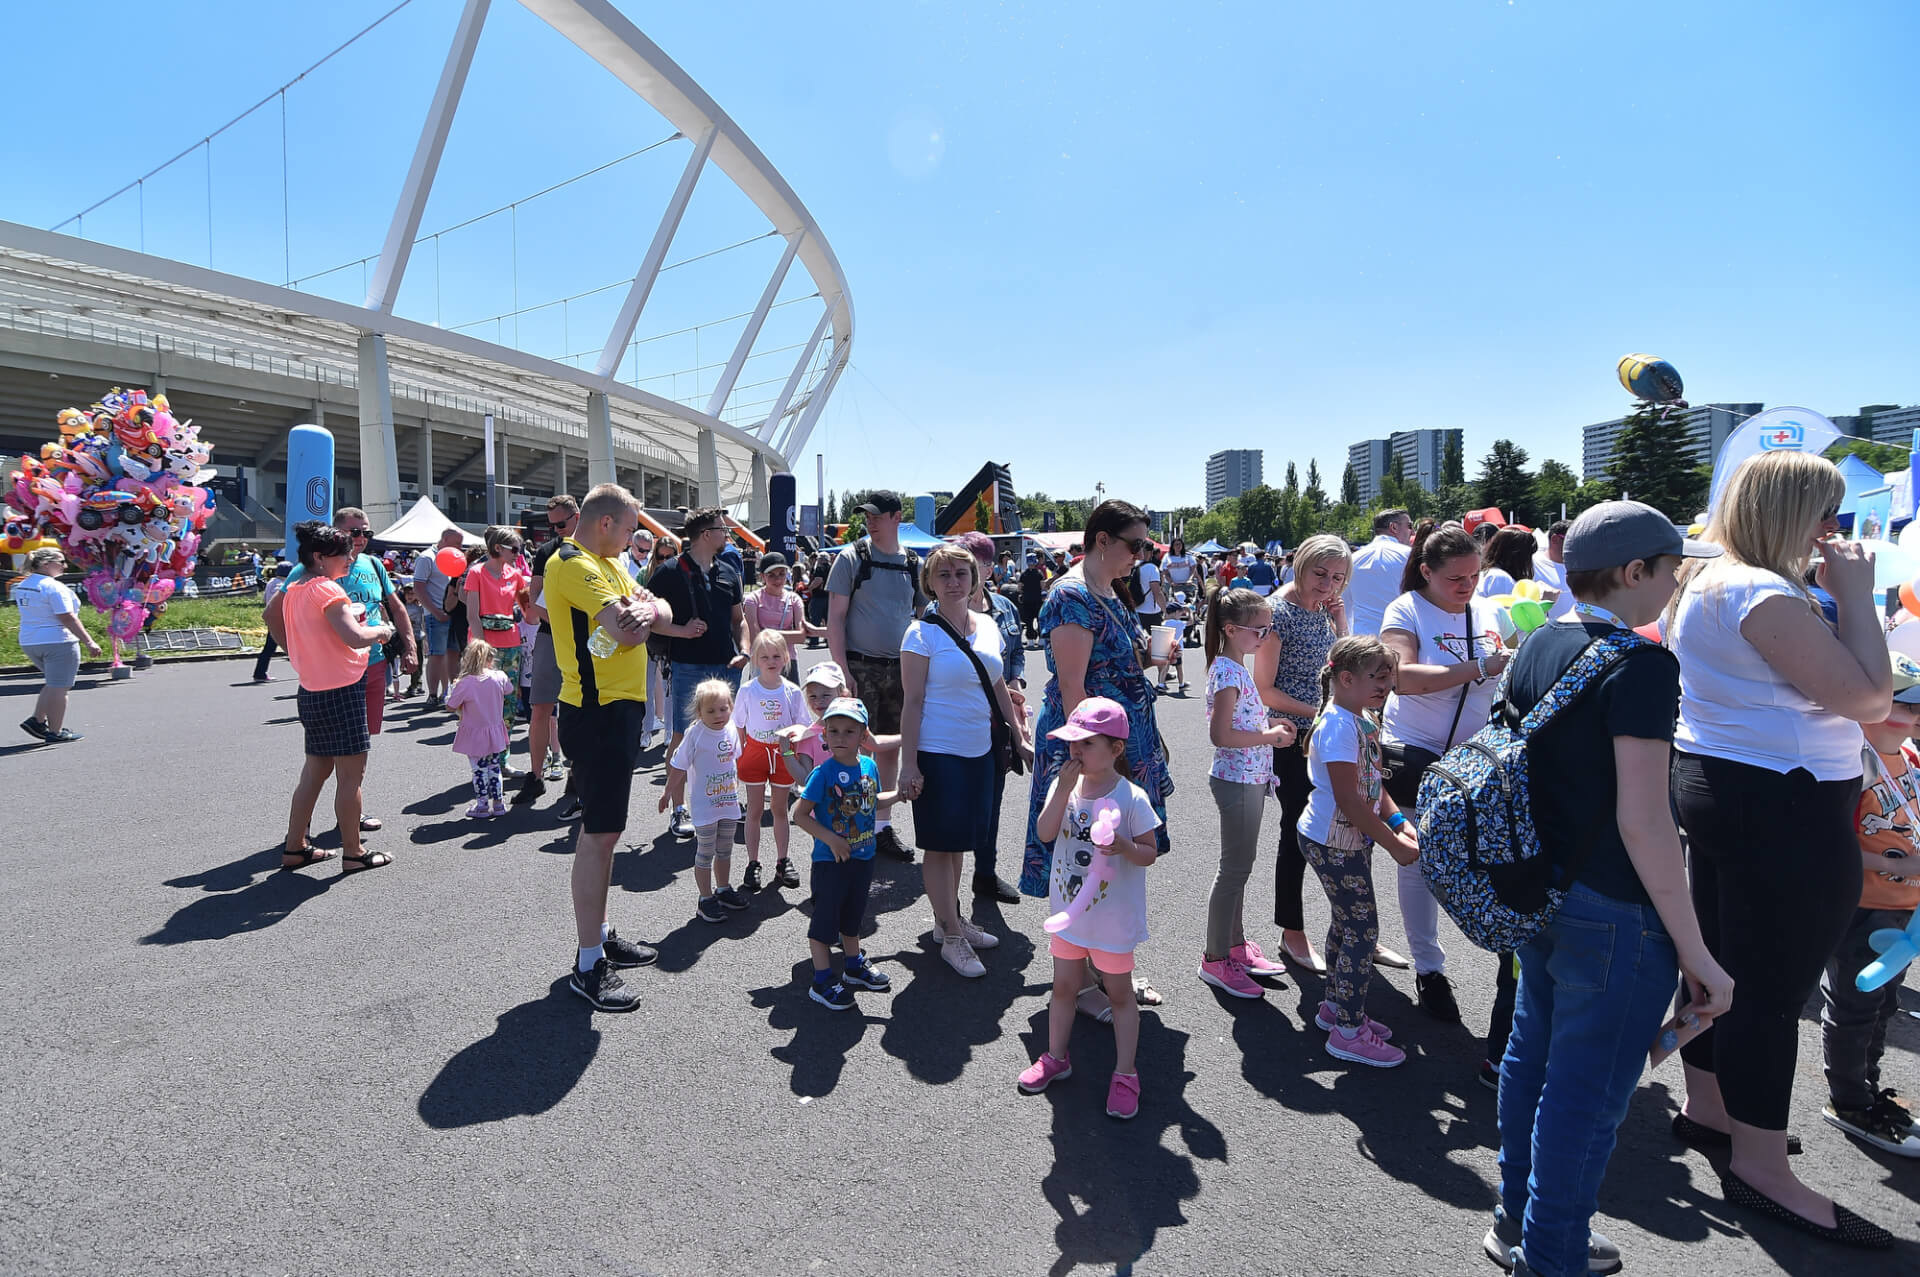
x,y
1232,472
1370,459
1421,453
1708,426
1893,425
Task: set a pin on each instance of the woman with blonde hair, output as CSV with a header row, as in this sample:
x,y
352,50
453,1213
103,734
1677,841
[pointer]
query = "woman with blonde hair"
x,y
1766,775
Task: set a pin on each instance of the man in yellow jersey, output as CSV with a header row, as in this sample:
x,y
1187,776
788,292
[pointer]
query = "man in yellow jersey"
x,y
602,706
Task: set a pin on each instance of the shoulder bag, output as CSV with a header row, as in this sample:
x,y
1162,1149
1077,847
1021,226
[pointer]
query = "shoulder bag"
x,y
1005,756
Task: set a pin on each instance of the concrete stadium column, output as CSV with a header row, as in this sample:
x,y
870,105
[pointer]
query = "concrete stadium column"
x,y
501,475
656,496
379,465
757,499
640,483
709,470
560,471
599,439
423,471
320,413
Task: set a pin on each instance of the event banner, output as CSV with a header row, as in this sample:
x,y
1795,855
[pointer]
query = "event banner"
x,y
1775,430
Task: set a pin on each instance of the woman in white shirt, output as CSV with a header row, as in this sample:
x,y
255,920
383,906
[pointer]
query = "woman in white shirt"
x,y
1766,775
1508,558
50,635
1450,657
947,760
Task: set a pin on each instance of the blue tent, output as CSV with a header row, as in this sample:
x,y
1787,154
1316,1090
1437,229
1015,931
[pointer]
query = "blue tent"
x,y
1209,546
911,538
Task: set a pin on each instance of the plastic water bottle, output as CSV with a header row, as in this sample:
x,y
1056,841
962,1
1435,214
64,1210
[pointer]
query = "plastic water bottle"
x,y
601,643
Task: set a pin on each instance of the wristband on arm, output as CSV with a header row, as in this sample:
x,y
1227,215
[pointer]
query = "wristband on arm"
x,y
1396,820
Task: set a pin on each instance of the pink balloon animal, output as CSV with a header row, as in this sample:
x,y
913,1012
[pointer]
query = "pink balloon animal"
x,y
1105,824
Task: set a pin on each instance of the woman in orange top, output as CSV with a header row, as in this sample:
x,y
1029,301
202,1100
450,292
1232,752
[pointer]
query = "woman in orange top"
x,y
327,638
493,591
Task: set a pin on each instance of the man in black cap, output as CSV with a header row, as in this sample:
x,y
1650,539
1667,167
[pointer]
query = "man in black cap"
x,y
873,594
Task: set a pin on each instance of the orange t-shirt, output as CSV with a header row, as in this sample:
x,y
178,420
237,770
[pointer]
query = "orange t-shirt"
x,y
319,657
496,598
1885,823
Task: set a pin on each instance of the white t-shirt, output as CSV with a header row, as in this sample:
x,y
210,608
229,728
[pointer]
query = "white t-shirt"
x,y
1553,576
1493,581
43,600
709,759
1339,737
1178,569
1732,703
1149,577
1443,639
954,716
1115,921
1374,583
760,711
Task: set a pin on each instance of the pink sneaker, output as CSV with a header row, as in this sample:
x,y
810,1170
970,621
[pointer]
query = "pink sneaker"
x,y
1123,1095
1324,1018
1364,1047
478,810
1229,976
1044,1072
499,807
1257,963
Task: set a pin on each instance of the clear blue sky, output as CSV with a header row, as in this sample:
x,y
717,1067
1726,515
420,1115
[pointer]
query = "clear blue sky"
x,y
1095,241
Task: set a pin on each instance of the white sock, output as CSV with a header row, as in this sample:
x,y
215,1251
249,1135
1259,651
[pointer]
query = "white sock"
x,y
605,931
590,956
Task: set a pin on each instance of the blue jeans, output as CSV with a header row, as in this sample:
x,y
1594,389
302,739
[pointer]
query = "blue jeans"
x,y
1594,989
686,679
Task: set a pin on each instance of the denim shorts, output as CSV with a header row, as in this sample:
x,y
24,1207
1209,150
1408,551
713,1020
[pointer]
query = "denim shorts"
x,y
686,679
437,631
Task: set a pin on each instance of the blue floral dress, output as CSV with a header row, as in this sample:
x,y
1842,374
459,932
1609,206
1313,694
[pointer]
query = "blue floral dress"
x,y
1113,671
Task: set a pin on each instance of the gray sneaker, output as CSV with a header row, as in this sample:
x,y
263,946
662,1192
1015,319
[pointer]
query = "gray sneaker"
x,y
1501,1239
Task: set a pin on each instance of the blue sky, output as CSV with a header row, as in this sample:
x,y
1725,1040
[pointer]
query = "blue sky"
x,y
1095,241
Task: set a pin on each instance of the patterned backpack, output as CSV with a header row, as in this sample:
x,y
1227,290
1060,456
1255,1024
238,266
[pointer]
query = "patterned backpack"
x,y
1478,847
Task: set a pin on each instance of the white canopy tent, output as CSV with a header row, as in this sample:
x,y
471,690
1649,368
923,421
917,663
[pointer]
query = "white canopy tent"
x,y
422,526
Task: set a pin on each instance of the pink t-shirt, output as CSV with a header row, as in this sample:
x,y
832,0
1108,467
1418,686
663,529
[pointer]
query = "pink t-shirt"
x,y
481,700
320,656
770,613
496,599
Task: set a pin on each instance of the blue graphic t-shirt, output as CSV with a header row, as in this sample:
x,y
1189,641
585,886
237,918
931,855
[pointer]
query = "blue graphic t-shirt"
x,y
843,800
367,584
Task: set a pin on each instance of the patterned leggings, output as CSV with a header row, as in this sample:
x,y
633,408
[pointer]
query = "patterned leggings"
x,y
486,775
713,842
1347,877
509,659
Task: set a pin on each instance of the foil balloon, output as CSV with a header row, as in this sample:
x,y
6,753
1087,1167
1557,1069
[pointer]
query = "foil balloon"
x,y
1650,378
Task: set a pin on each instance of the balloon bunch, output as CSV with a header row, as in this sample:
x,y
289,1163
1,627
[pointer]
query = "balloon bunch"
x,y
120,492
1520,613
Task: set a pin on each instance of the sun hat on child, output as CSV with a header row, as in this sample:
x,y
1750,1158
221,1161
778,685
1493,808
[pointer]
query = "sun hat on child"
x,y
1095,716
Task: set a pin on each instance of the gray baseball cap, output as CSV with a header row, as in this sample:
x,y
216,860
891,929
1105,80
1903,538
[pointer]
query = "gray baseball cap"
x,y
1615,533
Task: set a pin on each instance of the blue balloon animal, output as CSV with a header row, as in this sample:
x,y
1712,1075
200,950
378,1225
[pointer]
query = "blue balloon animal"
x,y
1897,947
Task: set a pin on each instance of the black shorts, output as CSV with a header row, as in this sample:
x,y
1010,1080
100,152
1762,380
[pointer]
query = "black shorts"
x,y
604,743
839,898
878,681
335,720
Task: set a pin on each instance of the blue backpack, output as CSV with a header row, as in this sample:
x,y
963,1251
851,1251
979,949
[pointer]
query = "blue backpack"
x,y
1478,847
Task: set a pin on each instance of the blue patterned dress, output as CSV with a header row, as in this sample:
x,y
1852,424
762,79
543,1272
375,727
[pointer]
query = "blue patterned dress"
x,y
1113,671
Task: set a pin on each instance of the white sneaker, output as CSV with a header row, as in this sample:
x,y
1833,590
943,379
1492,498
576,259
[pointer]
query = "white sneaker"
x,y
552,770
976,936
960,956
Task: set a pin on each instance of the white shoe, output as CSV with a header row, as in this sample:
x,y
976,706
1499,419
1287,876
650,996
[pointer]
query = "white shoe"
x,y
960,956
978,937
552,770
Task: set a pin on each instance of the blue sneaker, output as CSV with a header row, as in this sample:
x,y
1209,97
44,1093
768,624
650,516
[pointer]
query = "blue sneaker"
x,y
833,995
866,976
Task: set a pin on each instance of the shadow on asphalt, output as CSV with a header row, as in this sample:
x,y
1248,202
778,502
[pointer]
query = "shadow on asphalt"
x,y
1116,1184
940,1016
536,1054
238,902
817,1052
683,947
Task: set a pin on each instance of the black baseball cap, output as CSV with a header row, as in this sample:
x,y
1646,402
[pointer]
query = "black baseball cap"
x,y
883,501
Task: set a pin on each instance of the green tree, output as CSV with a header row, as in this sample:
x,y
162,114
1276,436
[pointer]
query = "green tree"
x,y
1310,512
1453,468
1650,464
1554,485
1397,469
1887,458
1450,502
983,514
1591,493
1504,481
1261,513
856,527
1222,524
1349,487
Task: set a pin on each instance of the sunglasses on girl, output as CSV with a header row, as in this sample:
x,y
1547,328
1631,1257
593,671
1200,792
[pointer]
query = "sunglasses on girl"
x,y
1258,631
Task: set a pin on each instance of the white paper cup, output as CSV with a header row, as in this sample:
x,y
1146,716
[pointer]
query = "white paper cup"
x,y
1160,644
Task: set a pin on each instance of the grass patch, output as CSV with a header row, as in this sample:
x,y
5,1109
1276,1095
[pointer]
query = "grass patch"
x,y
238,615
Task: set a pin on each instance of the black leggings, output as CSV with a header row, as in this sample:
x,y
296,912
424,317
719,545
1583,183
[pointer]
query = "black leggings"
x,y
1290,867
1776,876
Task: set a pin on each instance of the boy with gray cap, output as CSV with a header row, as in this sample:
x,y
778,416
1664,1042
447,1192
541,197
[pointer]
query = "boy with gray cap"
x,y
1596,981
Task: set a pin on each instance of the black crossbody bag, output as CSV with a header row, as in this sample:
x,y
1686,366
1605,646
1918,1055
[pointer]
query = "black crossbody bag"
x,y
1005,756
1406,764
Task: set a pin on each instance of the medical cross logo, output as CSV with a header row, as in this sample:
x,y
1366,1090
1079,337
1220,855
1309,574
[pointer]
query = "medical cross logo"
x,y
1788,436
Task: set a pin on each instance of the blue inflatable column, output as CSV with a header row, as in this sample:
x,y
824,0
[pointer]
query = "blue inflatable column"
x,y
783,515
309,480
923,508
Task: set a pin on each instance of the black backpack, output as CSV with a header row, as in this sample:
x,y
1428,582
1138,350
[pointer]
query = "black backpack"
x,y
863,551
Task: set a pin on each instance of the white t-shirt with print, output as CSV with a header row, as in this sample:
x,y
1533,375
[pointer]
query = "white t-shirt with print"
x,y
760,711
710,759
1115,921
1249,766
1443,639
954,716
1553,576
43,600
1339,736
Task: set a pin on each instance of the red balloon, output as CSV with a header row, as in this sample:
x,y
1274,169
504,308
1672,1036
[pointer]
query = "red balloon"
x,y
451,560
1651,630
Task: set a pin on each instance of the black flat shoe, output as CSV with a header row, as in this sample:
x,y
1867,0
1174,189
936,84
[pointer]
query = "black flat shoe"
x,y
1848,1228
1708,1140
990,887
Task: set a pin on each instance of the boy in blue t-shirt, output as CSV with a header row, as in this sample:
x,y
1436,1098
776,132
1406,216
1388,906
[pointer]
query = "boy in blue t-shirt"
x,y
837,806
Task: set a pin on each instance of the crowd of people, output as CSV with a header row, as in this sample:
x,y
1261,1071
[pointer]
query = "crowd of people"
x,y
1336,679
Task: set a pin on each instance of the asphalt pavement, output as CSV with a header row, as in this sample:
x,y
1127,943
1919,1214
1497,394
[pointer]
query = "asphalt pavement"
x,y
214,1067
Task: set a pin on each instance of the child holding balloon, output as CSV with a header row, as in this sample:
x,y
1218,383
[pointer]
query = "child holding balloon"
x,y
478,697
1104,825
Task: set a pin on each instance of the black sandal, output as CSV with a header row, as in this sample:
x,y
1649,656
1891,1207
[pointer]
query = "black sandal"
x,y
366,860
309,855
371,825
1848,1228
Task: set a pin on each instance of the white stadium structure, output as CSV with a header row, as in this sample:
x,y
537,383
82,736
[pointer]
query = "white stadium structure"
x,y
406,401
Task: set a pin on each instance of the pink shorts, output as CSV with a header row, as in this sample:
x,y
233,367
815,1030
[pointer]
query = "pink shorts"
x,y
1105,961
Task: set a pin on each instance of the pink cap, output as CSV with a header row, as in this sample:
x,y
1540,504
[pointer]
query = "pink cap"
x,y
1095,716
